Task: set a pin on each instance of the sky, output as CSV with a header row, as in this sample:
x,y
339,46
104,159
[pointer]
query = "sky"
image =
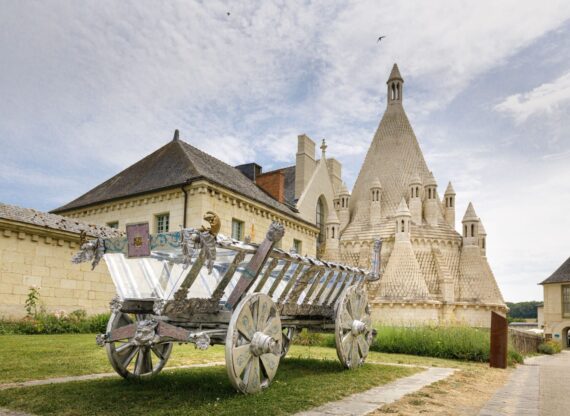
x,y
88,88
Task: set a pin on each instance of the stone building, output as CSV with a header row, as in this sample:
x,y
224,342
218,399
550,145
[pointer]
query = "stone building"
x,y
431,273
36,250
310,186
175,185
556,309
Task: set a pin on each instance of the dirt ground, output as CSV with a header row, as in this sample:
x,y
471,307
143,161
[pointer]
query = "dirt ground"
x,y
464,393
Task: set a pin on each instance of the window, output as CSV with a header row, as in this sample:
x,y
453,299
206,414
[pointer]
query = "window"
x,y
298,246
237,229
472,230
162,223
403,229
320,220
566,301
113,224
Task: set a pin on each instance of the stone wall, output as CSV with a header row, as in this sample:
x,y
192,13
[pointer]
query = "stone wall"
x,y
31,255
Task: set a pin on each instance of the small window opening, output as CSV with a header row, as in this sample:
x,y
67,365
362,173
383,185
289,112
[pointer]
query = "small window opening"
x,y
472,230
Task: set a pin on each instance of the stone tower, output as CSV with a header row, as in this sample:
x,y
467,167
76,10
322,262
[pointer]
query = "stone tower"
x,y
431,273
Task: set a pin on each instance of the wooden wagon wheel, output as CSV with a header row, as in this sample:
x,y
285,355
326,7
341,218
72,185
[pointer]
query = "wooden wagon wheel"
x,y
253,343
353,327
131,360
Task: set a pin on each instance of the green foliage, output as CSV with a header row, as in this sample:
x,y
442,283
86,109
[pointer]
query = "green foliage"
x,y
451,342
549,347
310,339
523,310
32,301
76,322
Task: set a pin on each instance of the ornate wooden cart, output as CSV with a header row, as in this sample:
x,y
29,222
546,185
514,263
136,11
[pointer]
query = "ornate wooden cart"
x,y
200,287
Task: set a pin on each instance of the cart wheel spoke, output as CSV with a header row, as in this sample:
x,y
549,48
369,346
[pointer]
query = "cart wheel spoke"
x,y
158,352
245,324
354,305
363,345
263,311
124,347
241,358
270,363
354,357
345,320
273,328
253,343
128,356
253,376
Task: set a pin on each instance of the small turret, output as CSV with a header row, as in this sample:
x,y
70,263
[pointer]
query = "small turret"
x,y
482,239
343,199
470,227
403,218
375,201
431,205
416,193
332,237
395,86
449,205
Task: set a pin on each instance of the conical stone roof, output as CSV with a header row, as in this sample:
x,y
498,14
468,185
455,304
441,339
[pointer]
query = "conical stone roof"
x,y
394,157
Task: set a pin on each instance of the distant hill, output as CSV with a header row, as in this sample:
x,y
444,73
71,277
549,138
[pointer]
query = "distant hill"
x,y
523,310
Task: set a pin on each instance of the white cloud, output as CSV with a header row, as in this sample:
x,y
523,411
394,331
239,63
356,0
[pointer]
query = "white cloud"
x,y
546,98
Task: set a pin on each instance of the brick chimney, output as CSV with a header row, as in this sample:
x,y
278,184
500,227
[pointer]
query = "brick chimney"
x,y
273,183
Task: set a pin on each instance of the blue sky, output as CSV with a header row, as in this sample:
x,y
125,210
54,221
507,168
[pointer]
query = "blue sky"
x,y
87,89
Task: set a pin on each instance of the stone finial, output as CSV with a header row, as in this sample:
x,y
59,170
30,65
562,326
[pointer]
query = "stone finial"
x,y
176,135
324,147
403,210
431,180
449,190
395,74
470,214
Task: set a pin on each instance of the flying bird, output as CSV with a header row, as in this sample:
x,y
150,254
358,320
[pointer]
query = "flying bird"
x,y
380,38
228,13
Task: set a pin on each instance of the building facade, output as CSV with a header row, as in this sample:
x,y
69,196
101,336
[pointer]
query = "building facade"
x,y
431,273
176,185
556,309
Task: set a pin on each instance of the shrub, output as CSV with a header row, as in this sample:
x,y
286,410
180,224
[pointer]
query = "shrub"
x,y
75,322
549,347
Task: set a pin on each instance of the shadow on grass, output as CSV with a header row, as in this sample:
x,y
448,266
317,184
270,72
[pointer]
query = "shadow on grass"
x,y
299,384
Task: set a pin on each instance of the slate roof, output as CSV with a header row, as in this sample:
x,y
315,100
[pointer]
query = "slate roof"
x,y
561,275
174,164
54,222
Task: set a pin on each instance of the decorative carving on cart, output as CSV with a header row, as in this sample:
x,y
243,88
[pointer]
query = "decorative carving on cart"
x,y
92,250
276,232
199,287
116,304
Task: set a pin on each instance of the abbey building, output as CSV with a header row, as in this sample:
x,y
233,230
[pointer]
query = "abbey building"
x,y
431,273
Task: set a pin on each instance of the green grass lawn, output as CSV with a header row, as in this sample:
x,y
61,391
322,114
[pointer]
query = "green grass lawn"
x,y
308,377
299,384
34,357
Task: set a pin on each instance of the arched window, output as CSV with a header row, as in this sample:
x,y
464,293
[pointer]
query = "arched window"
x,y
403,228
320,220
483,244
398,91
472,230
393,92
332,230
465,231
450,202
